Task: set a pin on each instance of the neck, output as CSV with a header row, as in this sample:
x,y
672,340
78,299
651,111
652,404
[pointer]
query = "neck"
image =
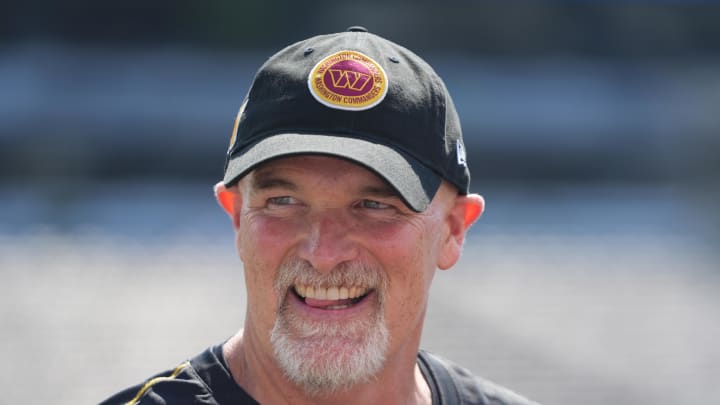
x,y
255,370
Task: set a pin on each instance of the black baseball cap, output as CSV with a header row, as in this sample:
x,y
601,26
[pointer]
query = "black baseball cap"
x,y
356,96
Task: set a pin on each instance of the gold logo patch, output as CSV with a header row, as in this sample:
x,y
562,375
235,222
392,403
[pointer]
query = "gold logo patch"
x,y
348,80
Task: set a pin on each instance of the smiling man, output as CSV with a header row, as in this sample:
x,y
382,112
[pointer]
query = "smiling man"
x,y
347,185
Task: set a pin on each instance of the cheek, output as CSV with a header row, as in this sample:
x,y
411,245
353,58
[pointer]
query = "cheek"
x,y
263,241
262,246
414,247
409,259
407,302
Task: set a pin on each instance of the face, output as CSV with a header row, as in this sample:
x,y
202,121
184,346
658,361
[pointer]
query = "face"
x,y
337,268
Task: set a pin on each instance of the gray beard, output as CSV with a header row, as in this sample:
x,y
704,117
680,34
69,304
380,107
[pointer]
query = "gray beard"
x,y
328,357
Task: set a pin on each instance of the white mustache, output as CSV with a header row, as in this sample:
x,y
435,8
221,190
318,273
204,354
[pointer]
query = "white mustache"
x,y
300,272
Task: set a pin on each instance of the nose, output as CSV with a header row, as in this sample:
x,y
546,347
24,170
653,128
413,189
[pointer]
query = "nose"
x,y
329,240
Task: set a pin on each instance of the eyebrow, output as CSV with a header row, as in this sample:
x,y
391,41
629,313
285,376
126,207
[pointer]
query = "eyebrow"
x,y
380,191
264,181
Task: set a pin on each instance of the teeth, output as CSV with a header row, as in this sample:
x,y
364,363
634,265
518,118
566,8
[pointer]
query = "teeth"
x,y
330,293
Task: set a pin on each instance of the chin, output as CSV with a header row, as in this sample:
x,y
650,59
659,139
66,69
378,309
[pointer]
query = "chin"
x,y
329,357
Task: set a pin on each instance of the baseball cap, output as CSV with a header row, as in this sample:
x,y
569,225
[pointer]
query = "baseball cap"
x,y
356,96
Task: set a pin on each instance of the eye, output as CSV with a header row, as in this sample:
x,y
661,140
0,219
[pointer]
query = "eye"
x,y
374,205
284,200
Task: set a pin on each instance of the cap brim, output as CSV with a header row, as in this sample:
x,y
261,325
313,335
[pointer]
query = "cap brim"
x,y
415,183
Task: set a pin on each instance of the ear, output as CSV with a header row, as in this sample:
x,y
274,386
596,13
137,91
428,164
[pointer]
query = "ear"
x,y
229,200
465,211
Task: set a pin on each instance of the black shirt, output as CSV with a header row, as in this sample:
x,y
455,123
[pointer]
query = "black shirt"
x,y
206,380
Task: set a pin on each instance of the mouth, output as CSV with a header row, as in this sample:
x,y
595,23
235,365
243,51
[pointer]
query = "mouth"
x,y
331,298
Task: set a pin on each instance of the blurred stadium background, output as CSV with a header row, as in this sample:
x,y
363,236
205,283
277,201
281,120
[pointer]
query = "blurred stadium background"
x,y
592,128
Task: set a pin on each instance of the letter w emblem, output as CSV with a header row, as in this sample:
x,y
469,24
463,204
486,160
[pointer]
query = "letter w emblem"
x,y
344,79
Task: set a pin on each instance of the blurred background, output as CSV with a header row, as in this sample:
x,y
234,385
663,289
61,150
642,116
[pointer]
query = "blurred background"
x,y
592,129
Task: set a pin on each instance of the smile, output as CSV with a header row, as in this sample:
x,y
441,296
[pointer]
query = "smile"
x,y
330,298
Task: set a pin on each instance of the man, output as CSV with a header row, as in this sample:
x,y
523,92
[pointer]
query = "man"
x,y
347,185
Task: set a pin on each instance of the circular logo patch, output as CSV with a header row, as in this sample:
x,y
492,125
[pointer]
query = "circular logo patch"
x,y
348,80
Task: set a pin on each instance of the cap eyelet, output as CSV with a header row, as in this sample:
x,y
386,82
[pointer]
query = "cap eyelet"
x,y
393,59
308,51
